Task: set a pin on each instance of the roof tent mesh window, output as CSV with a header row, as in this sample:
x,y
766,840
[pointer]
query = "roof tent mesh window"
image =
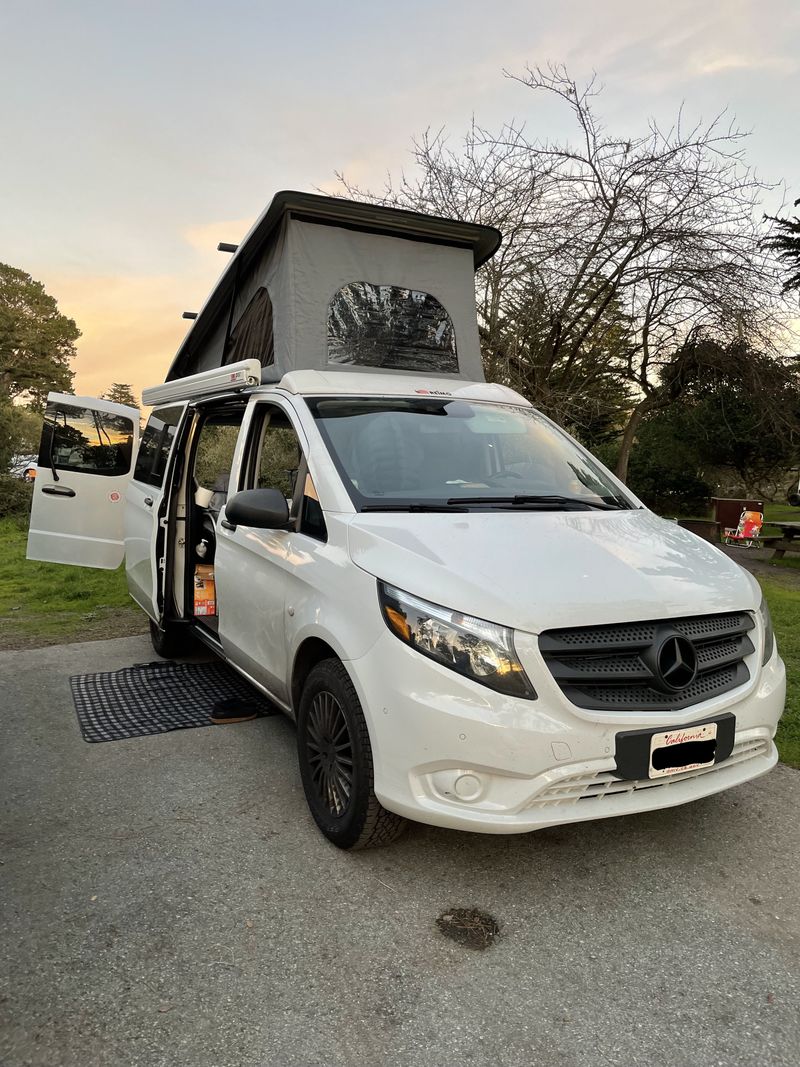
x,y
390,328
252,336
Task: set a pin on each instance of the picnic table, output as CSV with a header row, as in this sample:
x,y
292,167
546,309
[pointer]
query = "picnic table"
x,y
790,538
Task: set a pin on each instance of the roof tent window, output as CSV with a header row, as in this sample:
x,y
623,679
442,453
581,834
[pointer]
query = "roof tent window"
x,y
391,328
252,336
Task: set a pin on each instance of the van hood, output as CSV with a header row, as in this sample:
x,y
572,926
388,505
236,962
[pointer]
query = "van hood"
x,y
535,571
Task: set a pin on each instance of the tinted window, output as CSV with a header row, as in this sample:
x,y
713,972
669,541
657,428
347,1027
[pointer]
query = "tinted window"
x,y
439,451
82,439
156,444
392,328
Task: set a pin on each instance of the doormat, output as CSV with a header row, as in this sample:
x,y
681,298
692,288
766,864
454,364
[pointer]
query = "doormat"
x,y
154,698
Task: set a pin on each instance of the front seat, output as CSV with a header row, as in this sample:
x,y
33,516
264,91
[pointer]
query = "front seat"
x,y
387,457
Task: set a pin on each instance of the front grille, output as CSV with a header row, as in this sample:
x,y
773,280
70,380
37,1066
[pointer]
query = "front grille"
x,y
615,667
582,787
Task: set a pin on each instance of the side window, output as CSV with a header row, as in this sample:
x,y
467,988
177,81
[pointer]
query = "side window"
x,y
86,440
214,455
279,460
155,446
280,463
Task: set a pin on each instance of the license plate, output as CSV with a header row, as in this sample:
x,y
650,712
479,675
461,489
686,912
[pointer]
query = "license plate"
x,y
683,750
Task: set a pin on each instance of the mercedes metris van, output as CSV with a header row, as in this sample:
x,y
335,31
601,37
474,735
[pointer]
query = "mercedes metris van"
x,y
472,621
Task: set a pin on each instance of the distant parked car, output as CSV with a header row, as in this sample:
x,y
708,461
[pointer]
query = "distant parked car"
x,y
24,467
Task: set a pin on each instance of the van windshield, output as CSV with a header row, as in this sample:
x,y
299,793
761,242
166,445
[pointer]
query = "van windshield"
x,y
426,453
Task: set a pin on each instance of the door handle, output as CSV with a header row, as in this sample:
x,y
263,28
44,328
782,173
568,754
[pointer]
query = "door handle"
x,y
58,490
148,501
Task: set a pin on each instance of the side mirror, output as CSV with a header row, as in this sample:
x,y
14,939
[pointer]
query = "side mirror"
x,y
263,509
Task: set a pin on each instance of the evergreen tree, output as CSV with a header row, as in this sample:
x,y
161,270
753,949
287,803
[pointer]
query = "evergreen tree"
x,y
120,393
786,242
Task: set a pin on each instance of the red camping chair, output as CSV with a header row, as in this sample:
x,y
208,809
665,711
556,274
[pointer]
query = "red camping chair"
x,y
747,532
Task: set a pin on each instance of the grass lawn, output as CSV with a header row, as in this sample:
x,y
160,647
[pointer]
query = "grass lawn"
x,y
781,513
49,604
784,606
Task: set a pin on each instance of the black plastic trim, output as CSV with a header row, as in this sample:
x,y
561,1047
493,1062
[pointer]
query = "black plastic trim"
x,y
614,667
633,746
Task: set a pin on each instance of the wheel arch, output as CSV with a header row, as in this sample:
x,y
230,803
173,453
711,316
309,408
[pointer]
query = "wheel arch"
x,y
311,651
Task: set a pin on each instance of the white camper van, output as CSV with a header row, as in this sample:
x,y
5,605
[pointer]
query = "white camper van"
x,y
473,623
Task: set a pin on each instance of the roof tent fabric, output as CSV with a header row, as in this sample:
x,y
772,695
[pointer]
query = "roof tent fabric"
x,y
314,267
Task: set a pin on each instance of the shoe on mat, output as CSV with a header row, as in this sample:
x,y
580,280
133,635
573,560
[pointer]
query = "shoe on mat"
x,y
233,710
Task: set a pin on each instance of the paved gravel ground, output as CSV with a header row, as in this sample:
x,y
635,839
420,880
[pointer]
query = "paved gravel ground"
x,y
168,901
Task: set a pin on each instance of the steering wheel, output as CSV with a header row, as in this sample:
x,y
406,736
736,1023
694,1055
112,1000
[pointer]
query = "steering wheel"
x,y
503,474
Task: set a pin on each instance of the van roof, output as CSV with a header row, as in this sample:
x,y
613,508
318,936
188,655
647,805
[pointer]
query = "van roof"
x,y
349,383
243,378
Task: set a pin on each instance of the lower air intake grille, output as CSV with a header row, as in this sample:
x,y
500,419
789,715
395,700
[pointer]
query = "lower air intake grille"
x,y
666,664
598,785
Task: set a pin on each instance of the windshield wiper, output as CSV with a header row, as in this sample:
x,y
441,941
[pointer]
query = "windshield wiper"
x,y
414,507
551,502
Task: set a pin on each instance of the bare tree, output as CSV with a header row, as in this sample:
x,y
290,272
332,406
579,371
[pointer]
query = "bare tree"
x,y
620,253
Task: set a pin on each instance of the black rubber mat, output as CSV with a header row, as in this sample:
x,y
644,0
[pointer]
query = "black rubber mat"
x,y
154,698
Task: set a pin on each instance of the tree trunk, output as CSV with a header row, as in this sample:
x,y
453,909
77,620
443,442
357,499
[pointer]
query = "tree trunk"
x,y
629,437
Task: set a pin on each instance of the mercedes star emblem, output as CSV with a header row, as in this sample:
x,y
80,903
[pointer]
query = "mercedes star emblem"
x,y
677,662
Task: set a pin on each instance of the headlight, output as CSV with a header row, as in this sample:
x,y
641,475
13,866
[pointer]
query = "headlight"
x,y
769,633
478,649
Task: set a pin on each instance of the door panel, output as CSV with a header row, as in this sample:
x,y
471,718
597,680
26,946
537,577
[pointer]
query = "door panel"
x,y
86,457
145,506
251,575
253,567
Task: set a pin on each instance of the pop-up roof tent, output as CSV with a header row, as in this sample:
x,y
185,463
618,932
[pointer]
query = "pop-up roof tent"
x,y
321,282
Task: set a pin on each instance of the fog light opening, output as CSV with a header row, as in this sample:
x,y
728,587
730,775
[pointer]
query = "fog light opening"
x,y
468,787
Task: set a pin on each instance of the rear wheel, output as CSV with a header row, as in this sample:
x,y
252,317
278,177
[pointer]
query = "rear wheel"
x,y
336,762
171,641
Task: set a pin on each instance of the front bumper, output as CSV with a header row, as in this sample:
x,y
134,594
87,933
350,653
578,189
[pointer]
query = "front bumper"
x,y
453,753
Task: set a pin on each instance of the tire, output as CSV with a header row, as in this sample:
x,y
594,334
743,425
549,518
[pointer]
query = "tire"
x,y
336,767
172,641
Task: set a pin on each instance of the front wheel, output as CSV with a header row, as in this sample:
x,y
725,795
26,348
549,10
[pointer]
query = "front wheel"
x,y
336,762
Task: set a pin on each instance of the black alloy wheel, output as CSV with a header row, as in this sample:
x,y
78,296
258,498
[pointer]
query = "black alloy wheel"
x,y
330,753
336,767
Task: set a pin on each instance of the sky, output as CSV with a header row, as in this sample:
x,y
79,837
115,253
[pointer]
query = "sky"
x,y
137,136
